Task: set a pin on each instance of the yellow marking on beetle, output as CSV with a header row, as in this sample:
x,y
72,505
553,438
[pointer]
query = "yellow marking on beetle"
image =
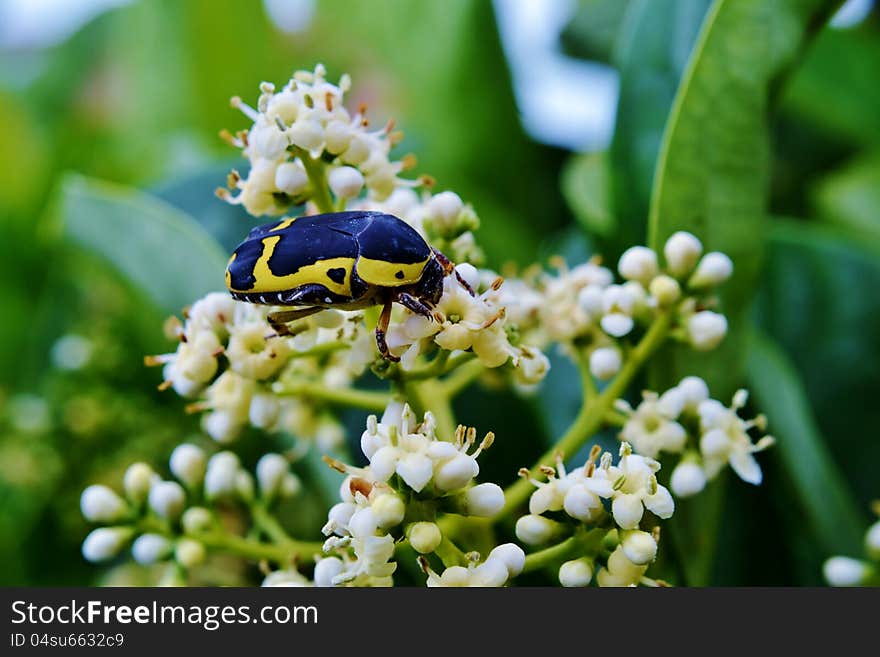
x,y
228,275
266,281
284,223
379,272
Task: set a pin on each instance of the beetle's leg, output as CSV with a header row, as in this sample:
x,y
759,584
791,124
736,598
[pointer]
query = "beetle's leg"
x,y
407,300
281,318
449,268
382,329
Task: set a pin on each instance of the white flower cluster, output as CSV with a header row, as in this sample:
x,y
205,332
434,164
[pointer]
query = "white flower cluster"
x,y
304,124
847,571
503,563
474,323
665,423
230,358
405,458
583,304
163,504
630,486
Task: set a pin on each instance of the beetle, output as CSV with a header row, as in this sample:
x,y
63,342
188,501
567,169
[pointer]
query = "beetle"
x,y
344,260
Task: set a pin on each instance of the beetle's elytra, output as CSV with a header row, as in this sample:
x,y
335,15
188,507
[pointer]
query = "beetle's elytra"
x,y
345,260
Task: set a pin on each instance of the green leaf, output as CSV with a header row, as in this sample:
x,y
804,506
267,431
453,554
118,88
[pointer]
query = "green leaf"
x,y
592,31
828,507
651,53
586,186
158,248
819,301
693,531
712,174
851,196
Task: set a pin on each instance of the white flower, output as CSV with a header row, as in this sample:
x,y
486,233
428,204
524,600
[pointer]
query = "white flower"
x,y
638,546
188,464
694,391
99,503
221,475
620,571
578,492
533,529
706,329
576,573
638,263
345,182
252,353
327,569
388,510
714,268
291,178
682,250
605,362
271,471
167,499
137,480
665,290
687,479
844,571
493,572
636,489
484,500
530,366
511,555
619,302
725,439
189,553
150,548
290,577
424,537
105,543
652,427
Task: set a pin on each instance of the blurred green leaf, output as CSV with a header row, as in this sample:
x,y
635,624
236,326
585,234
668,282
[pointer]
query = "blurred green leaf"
x,y
712,174
694,533
591,32
825,500
851,195
158,248
651,53
586,185
836,86
819,301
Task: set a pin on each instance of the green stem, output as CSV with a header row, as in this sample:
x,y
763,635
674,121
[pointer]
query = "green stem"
x,y
432,370
315,171
431,396
581,544
280,554
270,526
365,399
462,378
450,554
593,411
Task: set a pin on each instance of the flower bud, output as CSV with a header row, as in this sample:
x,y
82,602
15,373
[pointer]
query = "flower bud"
x,y
137,481
638,263
306,134
264,410
388,510
706,329
456,472
105,543
694,391
605,362
291,178
244,485
196,520
469,273
363,522
444,208
638,546
188,463
665,289
492,572
511,555
101,504
843,571
220,476
576,573
326,569
345,182
484,500
424,537
167,499
535,530
682,250
189,553
271,470
149,548
714,269
290,485
687,479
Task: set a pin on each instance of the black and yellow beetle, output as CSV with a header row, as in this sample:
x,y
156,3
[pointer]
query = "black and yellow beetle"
x,y
344,260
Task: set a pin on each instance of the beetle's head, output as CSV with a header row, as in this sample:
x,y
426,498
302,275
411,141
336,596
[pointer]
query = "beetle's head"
x,y
430,285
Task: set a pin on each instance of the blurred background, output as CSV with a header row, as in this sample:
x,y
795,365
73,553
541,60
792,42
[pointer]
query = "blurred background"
x,y
547,115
